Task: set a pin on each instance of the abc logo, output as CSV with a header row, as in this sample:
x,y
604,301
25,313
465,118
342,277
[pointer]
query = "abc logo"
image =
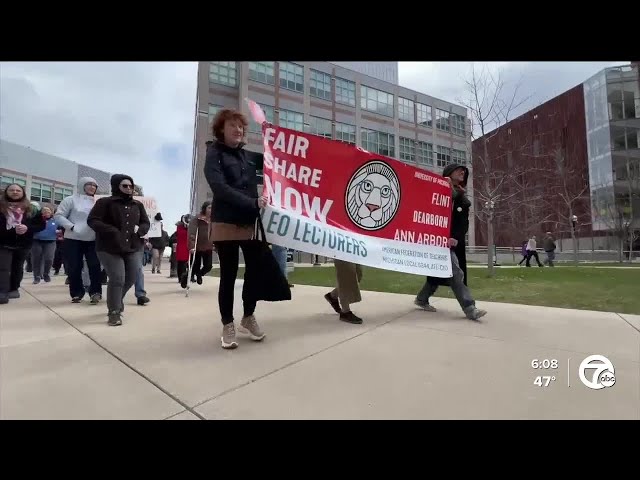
x,y
597,372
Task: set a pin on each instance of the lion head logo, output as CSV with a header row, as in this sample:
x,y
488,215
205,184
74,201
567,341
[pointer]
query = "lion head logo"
x,y
373,195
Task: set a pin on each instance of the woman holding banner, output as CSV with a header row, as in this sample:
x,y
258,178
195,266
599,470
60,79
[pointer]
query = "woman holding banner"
x,y
231,173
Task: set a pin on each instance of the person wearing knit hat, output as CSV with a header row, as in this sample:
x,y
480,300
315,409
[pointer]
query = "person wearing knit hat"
x,y
120,223
458,176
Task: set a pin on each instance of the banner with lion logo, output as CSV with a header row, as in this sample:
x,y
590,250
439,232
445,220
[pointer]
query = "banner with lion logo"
x,y
333,199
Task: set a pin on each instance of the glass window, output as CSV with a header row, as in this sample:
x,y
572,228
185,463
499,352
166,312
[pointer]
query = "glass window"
x,y
320,85
319,126
345,92
8,180
269,114
213,109
425,153
378,142
407,150
68,192
376,101
443,156
291,119
291,76
263,72
406,109
224,73
424,115
458,124
442,120
346,133
460,156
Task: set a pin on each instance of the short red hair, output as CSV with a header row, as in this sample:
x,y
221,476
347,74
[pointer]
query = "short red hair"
x,y
224,116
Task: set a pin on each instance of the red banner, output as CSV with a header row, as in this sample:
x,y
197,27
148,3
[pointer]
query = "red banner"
x,y
330,198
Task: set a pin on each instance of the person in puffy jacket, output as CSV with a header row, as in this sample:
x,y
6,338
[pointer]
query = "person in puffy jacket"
x,y
80,241
19,221
120,222
44,248
200,243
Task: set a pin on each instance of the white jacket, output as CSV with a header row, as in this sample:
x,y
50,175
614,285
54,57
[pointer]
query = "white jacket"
x,y
73,212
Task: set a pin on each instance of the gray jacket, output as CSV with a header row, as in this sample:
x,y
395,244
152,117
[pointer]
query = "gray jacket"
x,y
73,212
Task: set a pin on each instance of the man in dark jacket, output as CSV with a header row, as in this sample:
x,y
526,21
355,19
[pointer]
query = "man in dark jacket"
x,y
549,245
458,176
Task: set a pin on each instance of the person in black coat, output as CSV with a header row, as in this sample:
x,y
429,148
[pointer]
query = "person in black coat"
x,y
120,223
19,220
458,175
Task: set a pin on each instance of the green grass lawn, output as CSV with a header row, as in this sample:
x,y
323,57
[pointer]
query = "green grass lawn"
x,y
568,287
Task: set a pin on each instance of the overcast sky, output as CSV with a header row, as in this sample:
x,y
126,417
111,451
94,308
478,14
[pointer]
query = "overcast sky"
x,y
137,118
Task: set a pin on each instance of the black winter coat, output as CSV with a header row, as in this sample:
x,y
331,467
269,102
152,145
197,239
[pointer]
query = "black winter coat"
x,y
10,239
232,177
114,220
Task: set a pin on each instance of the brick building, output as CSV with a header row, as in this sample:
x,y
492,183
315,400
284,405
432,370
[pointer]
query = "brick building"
x,y
592,131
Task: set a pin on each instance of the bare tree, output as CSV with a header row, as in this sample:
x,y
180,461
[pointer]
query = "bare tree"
x,y
490,106
569,188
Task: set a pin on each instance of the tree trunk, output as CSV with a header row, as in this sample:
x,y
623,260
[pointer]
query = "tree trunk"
x,y
490,240
575,245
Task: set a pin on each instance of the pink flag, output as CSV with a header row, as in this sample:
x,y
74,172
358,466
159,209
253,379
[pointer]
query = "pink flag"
x,y
256,112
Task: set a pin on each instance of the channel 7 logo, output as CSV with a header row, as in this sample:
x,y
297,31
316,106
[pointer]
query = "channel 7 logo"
x,y
603,375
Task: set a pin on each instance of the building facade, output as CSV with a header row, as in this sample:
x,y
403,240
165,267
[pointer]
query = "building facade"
x,y
326,99
46,178
592,132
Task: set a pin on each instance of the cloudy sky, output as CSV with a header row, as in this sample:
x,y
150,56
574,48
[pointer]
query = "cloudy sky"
x,y
137,118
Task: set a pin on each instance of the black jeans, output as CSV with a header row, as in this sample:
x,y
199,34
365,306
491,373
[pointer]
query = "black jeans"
x,y
42,253
460,290
229,255
533,254
74,252
203,263
58,258
122,271
11,269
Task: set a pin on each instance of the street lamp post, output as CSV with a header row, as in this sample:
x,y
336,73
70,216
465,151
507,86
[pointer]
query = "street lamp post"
x,y
574,221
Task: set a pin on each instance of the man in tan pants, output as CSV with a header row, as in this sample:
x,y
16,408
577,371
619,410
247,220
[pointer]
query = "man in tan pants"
x,y
348,277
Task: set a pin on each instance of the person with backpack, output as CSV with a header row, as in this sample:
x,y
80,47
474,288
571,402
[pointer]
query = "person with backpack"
x,y
549,246
523,252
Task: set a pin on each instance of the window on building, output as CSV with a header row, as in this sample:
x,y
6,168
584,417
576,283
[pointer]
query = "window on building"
x,y
458,124
459,157
378,142
213,110
442,120
223,73
291,119
41,192
10,179
320,85
319,126
425,153
269,114
424,115
346,133
407,150
60,193
292,76
406,109
443,156
376,101
345,92
263,72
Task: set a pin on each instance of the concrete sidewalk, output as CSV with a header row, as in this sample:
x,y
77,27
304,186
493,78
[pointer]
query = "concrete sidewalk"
x,y
61,361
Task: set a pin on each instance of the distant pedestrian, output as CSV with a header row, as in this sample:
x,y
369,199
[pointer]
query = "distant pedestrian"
x,y
43,249
58,258
549,246
182,250
19,221
200,232
120,221
532,251
158,244
524,252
